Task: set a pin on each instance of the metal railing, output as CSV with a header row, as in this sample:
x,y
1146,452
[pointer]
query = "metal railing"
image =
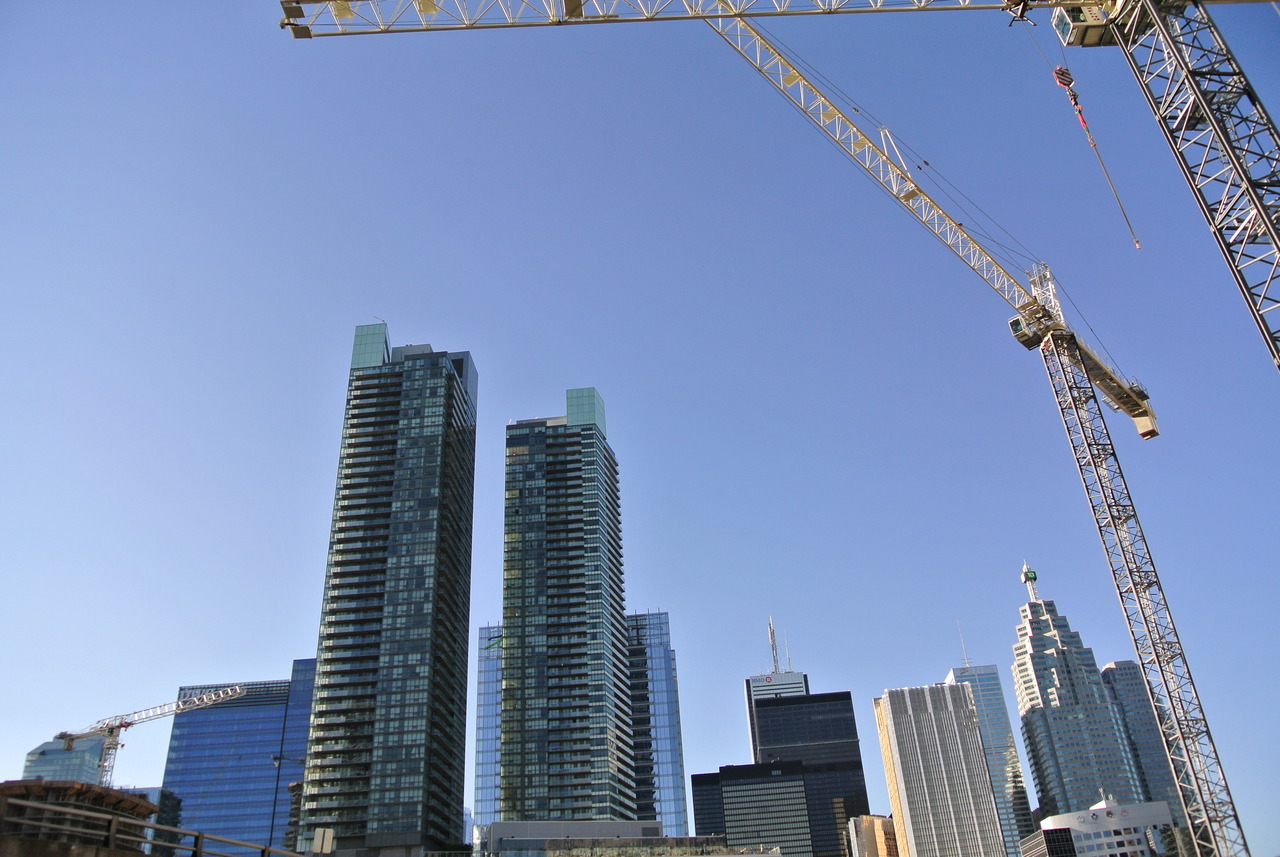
x,y
26,819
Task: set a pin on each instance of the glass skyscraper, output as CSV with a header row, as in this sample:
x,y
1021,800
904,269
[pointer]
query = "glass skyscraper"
x,y
488,725
566,751
1073,732
819,731
1003,765
231,764
939,788
53,761
655,723
654,713
1127,687
386,750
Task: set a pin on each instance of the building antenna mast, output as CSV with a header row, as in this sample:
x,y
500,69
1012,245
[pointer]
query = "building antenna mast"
x,y
965,660
773,645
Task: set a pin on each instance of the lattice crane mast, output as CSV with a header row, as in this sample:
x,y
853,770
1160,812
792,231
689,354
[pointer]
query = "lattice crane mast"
x,y
1076,372
111,727
1225,142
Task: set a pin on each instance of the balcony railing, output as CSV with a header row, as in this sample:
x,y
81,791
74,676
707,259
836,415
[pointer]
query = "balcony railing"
x,y
26,819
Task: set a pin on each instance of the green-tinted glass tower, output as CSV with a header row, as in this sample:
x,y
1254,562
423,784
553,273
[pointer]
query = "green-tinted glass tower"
x,y
385,752
566,724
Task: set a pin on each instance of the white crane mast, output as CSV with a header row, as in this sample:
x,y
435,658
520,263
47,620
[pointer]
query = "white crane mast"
x,y
111,727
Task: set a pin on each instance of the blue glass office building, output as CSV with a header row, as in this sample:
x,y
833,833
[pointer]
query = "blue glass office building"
x,y
231,764
655,723
53,761
1127,687
387,747
1003,764
488,724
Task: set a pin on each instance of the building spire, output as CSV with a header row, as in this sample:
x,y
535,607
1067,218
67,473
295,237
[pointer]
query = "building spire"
x,y
1029,578
773,645
964,650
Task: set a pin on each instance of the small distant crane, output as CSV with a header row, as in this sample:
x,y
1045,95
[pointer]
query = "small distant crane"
x,y
111,727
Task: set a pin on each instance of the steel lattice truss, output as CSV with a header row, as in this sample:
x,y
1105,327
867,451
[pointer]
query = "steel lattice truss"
x,y
316,18
1226,144
1205,796
855,143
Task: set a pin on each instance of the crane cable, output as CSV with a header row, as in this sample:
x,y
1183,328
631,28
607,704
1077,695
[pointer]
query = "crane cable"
x,y
1015,257
1062,77
1005,253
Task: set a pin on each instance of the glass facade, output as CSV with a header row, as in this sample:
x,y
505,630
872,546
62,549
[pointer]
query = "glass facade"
x,y
386,749
230,764
768,686
936,771
1127,687
766,806
655,723
53,761
819,731
566,749
1003,764
488,724
1073,732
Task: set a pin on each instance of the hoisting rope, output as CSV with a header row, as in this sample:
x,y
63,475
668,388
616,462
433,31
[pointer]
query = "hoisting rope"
x,y
1062,76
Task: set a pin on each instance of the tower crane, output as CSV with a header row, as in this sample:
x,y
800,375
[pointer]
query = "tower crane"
x,y
1076,373
1226,144
110,728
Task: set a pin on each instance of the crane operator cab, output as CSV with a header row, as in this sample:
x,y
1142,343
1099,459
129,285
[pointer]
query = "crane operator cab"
x,y
1082,26
1025,333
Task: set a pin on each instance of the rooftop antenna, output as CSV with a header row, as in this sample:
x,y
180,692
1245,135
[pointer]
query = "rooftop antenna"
x,y
966,660
1029,578
787,645
773,645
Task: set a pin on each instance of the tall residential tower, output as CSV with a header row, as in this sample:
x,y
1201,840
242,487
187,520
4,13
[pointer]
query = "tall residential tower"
x,y
385,754
567,751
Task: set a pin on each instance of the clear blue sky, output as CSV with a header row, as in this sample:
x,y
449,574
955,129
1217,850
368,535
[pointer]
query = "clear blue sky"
x,y
818,411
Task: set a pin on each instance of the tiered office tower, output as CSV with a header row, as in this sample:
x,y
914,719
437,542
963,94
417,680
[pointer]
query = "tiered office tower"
x,y
231,764
567,749
386,753
655,723
1003,764
939,788
1073,732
